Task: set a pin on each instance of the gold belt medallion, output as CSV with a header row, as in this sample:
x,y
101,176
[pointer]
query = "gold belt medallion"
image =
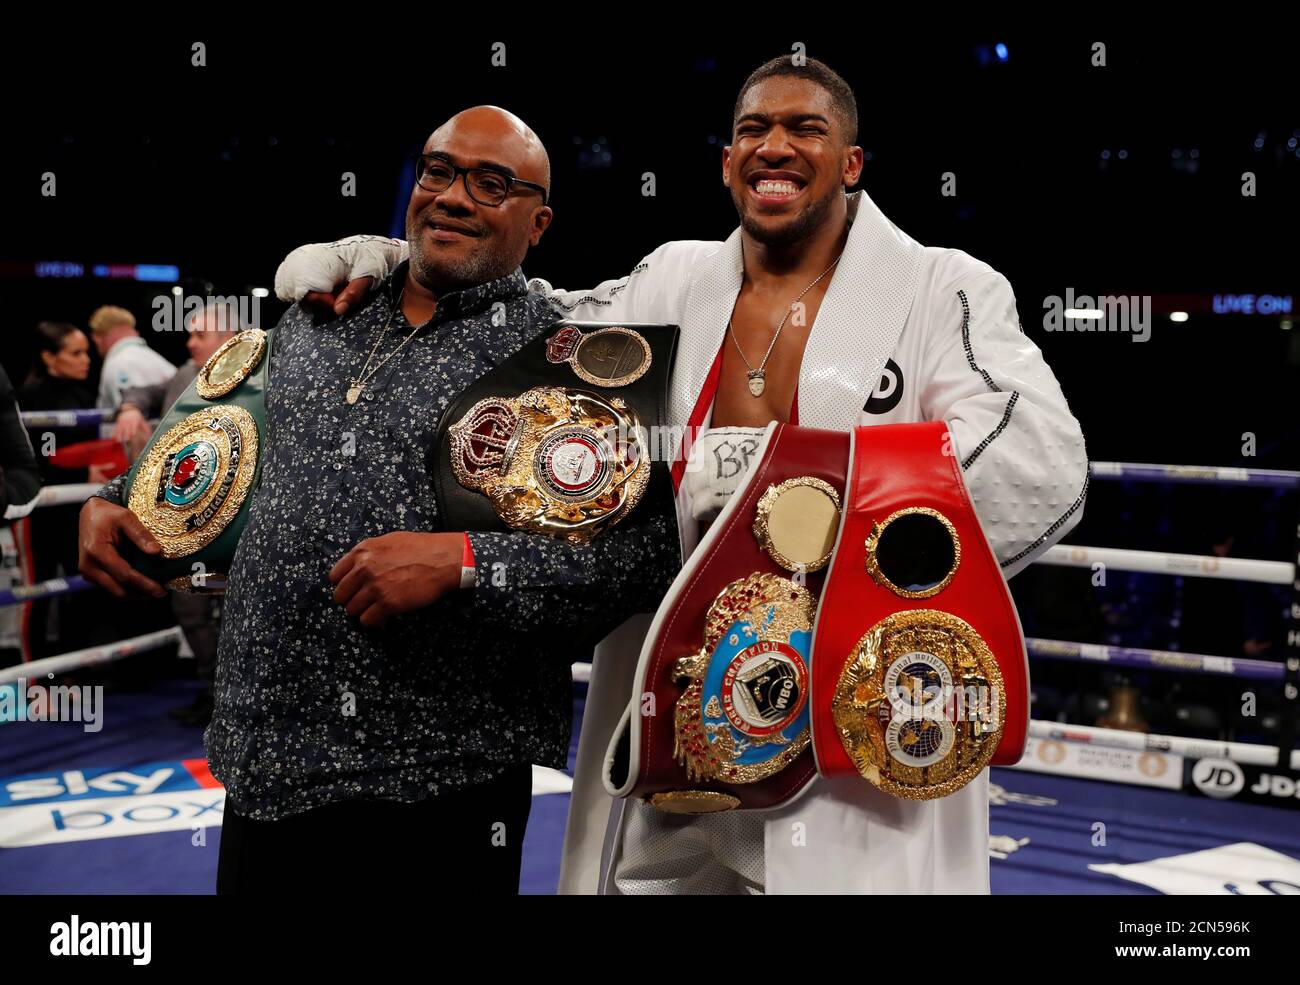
x,y
744,714
195,478
563,462
230,365
610,357
918,705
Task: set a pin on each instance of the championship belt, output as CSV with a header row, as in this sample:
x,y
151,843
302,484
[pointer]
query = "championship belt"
x,y
921,679
190,487
557,439
843,614
720,714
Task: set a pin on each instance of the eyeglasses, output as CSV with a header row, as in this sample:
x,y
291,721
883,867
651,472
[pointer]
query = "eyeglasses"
x,y
485,186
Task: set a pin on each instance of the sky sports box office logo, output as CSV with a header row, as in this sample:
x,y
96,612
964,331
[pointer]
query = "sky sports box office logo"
x,y
109,802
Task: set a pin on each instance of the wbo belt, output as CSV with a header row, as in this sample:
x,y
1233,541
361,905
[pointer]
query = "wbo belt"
x,y
191,485
844,615
561,438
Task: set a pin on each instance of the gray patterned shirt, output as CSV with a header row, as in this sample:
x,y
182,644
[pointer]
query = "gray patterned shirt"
x,y
313,708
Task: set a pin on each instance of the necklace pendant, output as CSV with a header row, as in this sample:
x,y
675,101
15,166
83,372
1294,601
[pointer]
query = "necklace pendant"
x,y
756,383
354,393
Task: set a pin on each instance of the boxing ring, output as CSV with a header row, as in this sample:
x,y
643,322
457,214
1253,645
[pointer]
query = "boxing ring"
x,y
1120,756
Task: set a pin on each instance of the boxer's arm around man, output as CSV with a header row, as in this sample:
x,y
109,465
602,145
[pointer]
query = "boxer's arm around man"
x,y
656,290
1021,450
338,275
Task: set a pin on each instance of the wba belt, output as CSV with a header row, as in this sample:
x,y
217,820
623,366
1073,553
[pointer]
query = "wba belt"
x,y
843,615
559,438
191,484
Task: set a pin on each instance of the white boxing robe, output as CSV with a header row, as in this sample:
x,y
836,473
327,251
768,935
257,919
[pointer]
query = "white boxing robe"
x,y
905,334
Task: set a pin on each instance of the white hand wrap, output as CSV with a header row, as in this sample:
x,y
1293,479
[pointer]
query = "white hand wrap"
x,y
717,465
325,266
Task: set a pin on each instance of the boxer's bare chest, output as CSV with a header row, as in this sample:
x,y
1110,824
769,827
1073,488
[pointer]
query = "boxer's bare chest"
x,y
754,322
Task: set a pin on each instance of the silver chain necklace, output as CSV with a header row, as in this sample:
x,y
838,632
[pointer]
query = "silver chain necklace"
x,y
362,380
758,377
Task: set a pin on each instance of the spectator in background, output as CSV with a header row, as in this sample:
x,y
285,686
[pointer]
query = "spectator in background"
x,y
199,616
128,360
58,378
206,332
58,381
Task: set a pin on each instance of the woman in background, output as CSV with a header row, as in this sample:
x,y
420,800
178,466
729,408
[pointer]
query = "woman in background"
x,y
59,380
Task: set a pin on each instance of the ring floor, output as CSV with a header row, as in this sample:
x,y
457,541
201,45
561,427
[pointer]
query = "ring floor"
x,y
79,825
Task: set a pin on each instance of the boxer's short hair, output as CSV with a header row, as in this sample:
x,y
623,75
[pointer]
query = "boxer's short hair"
x,y
843,102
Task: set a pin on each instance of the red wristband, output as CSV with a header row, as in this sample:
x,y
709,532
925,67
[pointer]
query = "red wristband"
x,y
467,565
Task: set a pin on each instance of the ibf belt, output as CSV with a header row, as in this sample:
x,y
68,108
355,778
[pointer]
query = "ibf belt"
x,y
560,438
923,679
843,615
190,487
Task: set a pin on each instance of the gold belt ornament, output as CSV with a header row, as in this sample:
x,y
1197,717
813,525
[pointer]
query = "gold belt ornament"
x,y
194,479
553,460
231,364
918,704
743,715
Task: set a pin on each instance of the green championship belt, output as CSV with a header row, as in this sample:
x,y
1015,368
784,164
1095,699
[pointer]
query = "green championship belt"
x,y
191,486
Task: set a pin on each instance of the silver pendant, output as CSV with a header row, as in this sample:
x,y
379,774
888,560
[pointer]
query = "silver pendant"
x,y
354,393
756,384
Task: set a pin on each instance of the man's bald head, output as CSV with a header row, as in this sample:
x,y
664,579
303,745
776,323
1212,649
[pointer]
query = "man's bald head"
x,y
506,131
456,240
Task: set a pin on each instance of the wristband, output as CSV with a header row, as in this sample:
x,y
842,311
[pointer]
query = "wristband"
x,y
467,565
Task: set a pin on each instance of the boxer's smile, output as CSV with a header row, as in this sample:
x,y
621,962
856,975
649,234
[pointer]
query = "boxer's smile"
x,y
776,188
788,163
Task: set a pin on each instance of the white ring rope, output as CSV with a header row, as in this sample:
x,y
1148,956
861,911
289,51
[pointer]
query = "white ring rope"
x,y
71,492
90,656
1246,753
1160,563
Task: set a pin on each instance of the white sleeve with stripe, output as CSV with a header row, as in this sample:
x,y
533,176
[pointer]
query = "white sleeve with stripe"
x,y
1020,448
655,290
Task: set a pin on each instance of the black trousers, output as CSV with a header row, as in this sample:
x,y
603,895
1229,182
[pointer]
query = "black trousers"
x,y
469,841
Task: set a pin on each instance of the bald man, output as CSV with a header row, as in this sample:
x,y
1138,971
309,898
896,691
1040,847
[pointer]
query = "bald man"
x,y
376,709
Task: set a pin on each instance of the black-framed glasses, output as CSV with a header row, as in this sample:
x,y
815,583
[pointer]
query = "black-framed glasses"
x,y
485,185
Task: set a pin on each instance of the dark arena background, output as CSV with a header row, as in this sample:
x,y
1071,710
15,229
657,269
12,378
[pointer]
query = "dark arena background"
x,y
1163,170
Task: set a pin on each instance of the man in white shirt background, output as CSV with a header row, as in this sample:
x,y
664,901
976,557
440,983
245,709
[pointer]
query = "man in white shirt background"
x,y
128,360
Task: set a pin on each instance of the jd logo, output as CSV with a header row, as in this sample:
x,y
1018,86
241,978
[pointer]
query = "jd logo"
x,y
1276,786
1218,778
